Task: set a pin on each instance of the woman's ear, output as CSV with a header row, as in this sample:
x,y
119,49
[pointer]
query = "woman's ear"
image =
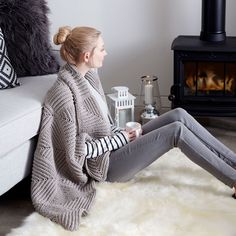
x,y
86,56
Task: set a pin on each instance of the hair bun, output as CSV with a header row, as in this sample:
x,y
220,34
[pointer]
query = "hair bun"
x,y
61,36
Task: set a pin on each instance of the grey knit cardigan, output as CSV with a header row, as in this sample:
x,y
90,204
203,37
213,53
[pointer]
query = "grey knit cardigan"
x,y
63,180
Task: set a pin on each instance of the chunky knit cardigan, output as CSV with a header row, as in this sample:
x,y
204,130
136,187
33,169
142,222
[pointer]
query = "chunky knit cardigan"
x,y
63,179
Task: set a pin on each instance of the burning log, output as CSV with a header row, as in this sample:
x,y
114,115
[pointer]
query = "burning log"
x,y
209,81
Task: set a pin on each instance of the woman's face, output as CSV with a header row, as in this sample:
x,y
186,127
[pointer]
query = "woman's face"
x,y
97,57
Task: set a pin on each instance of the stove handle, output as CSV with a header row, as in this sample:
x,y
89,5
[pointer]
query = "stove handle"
x,y
171,97
173,90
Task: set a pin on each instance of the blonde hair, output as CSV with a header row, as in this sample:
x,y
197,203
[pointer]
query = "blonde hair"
x,y
75,42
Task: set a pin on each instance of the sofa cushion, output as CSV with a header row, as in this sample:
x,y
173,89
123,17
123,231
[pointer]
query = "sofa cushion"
x,y
21,110
8,77
26,30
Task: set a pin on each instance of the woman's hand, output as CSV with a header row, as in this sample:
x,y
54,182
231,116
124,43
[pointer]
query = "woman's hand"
x,y
133,134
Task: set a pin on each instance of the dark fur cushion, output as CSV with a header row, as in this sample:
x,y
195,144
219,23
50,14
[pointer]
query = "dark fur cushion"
x,y
26,30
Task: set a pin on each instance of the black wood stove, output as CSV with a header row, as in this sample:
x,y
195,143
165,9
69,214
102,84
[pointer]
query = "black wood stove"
x,y
205,66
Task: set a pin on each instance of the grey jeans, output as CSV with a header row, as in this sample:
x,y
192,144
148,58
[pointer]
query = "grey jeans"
x,y
175,128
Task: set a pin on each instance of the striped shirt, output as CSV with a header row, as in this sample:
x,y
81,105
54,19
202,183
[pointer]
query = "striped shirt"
x,y
98,147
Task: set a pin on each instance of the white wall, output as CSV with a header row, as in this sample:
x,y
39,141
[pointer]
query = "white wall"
x,y
137,34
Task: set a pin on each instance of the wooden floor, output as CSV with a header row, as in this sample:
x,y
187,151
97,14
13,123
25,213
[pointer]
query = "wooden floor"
x,y
16,204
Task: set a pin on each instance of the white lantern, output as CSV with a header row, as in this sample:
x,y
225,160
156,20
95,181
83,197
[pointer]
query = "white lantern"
x,y
121,105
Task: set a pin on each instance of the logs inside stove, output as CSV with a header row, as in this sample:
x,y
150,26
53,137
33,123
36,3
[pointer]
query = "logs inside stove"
x,y
205,66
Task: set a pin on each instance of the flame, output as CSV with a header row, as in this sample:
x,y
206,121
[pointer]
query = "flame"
x,y
210,81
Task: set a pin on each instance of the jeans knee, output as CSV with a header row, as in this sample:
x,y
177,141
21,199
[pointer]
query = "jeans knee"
x,y
180,111
180,114
178,128
177,125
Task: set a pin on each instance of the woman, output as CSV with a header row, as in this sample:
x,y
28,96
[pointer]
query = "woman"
x,y
78,144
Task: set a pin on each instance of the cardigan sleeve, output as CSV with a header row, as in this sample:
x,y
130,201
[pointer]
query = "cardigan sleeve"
x,y
58,134
115,129
98,147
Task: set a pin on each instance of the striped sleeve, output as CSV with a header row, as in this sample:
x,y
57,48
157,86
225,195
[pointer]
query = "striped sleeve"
x,y
98,147
115,129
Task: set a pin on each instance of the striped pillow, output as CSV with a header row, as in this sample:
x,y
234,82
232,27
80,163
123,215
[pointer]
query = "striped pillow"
x,y
8,78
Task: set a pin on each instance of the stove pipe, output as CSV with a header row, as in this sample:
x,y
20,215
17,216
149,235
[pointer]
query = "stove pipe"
x,y
213,21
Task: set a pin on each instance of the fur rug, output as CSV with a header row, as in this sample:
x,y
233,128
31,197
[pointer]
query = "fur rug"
x,y
172,197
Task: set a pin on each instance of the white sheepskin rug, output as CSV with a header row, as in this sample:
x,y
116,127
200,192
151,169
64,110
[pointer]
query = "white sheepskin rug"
x,y
172,197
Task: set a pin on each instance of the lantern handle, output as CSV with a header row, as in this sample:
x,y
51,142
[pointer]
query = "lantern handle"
x,y
119,88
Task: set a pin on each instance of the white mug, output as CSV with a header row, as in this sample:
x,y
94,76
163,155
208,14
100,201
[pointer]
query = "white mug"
x,y
134,126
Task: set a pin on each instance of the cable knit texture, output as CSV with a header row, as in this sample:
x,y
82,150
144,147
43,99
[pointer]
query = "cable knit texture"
x,y
63,179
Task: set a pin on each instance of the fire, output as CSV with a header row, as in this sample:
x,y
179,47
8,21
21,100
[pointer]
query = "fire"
x,y
210,81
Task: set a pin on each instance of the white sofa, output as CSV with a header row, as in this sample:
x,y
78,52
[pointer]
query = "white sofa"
x,y
20,115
